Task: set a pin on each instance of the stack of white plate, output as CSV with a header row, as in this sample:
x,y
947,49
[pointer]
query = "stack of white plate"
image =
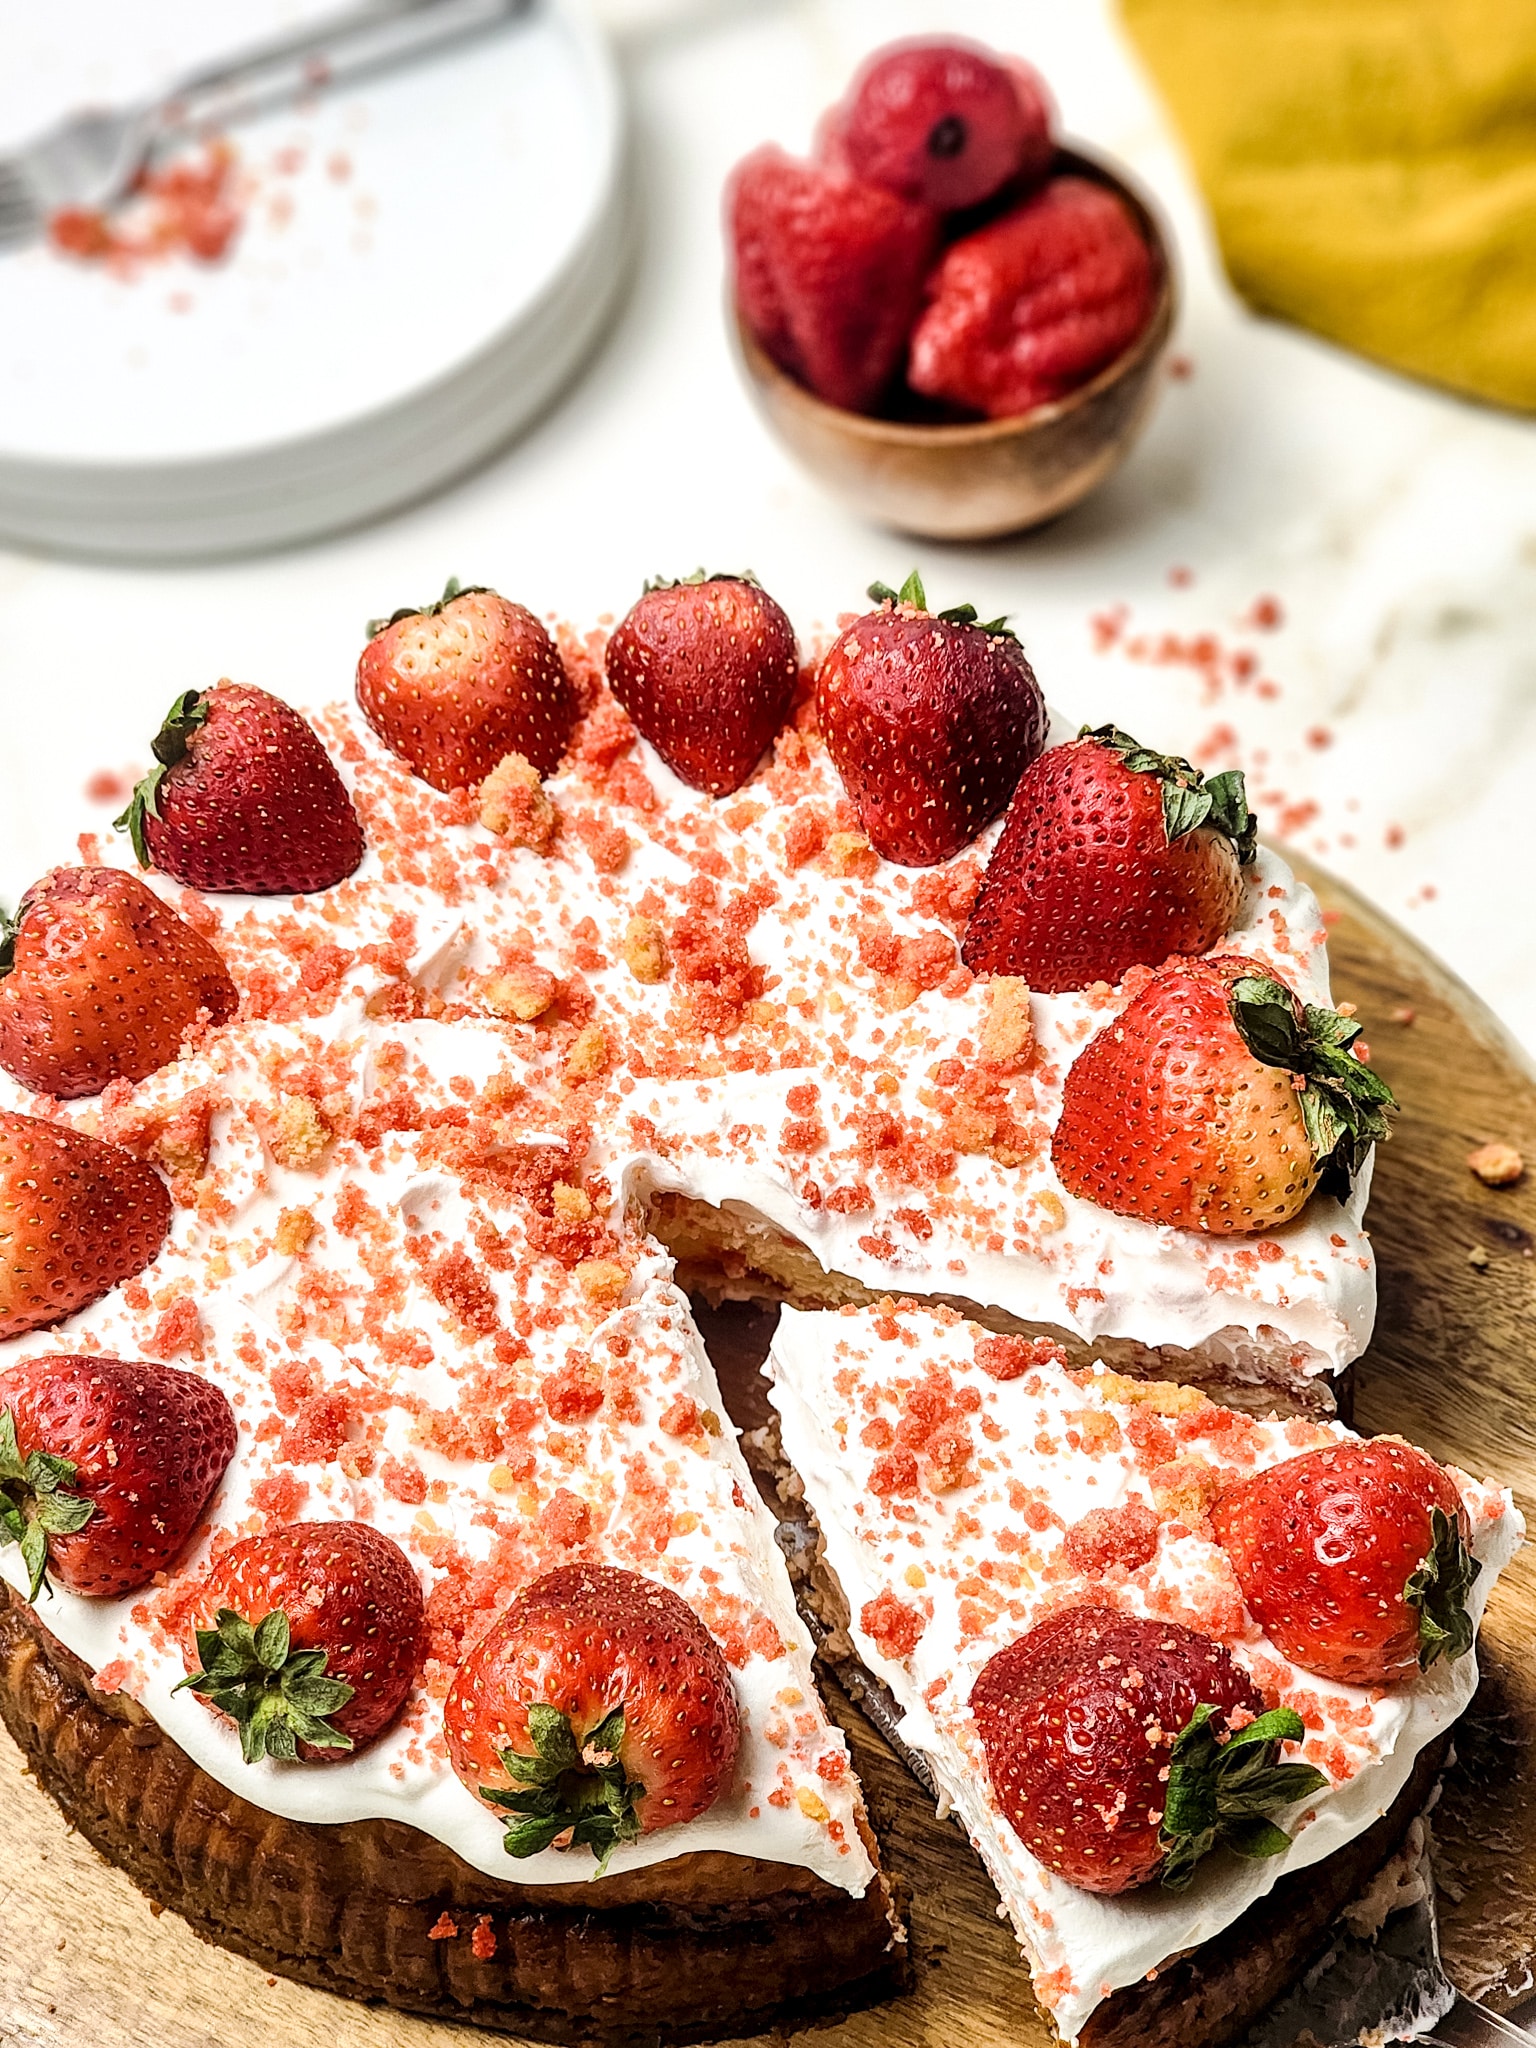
x,y
426,259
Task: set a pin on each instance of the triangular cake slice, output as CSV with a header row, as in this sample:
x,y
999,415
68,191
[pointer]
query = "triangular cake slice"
x,y
969,1489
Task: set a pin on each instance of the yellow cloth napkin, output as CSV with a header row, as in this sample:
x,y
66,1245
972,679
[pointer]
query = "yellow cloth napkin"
x,y
1371,168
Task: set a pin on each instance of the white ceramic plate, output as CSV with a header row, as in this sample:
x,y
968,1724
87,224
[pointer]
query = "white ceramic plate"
x,y
425,259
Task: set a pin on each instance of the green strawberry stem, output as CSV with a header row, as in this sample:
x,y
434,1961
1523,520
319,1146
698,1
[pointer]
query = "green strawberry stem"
x,y
913,594
1343,1104
1439,1589
277,1696
1221,1794
698,577
33,1503
9,926
566,1787
451,589
1189,800
168,747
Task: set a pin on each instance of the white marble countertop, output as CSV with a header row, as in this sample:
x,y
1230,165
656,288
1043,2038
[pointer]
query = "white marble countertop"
x,y
1388,724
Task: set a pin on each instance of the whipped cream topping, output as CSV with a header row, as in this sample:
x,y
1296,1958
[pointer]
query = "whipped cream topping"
x,y
410,1241
942,1573
818,1055
418,1363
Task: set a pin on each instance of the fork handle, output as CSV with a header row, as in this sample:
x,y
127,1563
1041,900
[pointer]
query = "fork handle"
x,y
338,47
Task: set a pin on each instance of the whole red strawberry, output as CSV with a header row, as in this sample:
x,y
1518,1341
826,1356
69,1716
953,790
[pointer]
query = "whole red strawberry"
x,y
828,272
1185,1108
1112,857
1031,306
309,1639
77,1217
244,798
706,668
456,686
1354,1560
930,719
946,124
599,1706
1121,1749
106,1465
98,982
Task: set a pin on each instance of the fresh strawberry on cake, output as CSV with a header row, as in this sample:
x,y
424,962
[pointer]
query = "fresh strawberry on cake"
x,y
598,1709
1112,857
242,797
310,1639
106,1465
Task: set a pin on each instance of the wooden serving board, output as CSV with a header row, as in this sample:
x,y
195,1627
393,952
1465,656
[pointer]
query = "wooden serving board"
x,y
85,1961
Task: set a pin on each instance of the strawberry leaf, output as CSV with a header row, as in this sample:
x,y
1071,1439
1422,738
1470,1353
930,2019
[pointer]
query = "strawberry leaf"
x,y
1255,1838
277,1696
1439,1589
568,1788
966,615
9,927
1221,1794
11,1465
1344,1105
1189,801
912,593
451,589
35,1503
34,1555
698,577
186,715
61,1514
1266,1014
1230,813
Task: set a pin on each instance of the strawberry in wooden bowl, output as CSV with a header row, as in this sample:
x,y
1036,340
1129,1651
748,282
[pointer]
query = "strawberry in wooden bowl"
x,y
952,319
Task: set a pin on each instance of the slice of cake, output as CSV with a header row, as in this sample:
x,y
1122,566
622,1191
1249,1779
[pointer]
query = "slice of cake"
x,y
1030,1555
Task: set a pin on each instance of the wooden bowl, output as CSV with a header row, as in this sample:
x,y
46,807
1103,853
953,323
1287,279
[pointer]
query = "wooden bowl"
x,y
982,478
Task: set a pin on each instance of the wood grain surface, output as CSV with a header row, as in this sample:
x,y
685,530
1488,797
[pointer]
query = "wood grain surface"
x,y
85,1962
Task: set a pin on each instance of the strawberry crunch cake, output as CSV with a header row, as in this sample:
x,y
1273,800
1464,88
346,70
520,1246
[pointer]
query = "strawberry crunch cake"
x,y
388,1591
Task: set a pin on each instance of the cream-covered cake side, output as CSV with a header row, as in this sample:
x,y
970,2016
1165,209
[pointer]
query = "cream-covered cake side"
x,y
940,1576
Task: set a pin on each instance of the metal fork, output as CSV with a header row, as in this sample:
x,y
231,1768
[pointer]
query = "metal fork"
x,y
92,158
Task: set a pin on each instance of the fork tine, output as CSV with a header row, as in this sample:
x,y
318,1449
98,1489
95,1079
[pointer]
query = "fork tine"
x,y
20,216
18,228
